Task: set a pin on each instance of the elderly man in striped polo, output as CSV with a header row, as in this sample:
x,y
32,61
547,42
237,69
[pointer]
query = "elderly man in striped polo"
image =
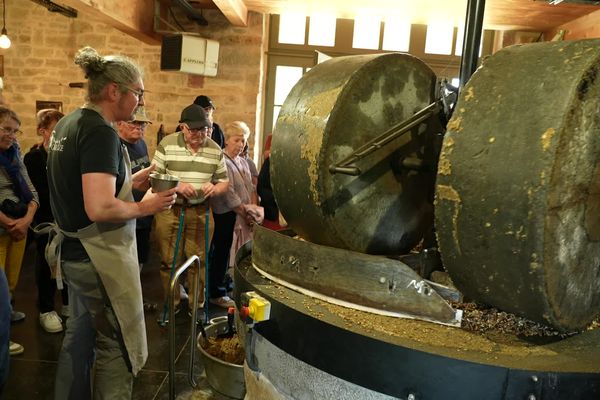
x,y
199,163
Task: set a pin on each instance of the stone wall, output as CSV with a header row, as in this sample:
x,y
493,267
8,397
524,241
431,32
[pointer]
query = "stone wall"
x,y
39,66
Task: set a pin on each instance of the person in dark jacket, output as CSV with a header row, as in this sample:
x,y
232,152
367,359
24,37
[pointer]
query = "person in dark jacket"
x,y
265,192
132,136
35,161
217,133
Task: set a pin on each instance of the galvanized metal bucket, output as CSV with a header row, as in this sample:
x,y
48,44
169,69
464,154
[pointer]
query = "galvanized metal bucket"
x,y
224,377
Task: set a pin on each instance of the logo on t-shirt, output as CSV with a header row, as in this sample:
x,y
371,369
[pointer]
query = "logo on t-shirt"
x,y
56,145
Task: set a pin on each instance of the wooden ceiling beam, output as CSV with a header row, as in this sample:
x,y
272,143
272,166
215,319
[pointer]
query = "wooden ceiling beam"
x,y
135,19
235,11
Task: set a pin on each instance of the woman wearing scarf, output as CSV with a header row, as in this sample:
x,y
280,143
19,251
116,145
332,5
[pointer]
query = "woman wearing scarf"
x,y
234,212
18,203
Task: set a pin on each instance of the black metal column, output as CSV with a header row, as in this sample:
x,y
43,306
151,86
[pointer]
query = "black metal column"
x,y
471,40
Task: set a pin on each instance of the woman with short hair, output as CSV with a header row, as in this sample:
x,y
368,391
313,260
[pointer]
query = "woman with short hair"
x,y
18,203
234,212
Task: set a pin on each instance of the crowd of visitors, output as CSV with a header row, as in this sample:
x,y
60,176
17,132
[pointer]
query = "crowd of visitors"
x,y
85,189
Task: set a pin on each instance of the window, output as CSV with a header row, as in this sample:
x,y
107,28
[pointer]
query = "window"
x,y
276,110
460,37
321,31
321,36
396,35
292,28
367,30
285,79
439,38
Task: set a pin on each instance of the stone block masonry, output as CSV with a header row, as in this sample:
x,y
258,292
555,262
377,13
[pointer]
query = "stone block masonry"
x,y
39,66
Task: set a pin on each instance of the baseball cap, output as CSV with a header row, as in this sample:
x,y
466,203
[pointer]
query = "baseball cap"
x,y
195,117
204,102
140,115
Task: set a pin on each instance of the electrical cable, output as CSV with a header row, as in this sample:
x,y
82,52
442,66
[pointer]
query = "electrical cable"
x,y
175,19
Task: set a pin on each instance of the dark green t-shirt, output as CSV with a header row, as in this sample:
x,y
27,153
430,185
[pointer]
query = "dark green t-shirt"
x,y
82,142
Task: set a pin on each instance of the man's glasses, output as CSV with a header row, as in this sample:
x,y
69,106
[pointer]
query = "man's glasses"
x,y
197,130
138,125
10,131
138,93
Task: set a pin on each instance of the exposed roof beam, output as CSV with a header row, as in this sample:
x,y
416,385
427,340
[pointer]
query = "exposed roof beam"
x,y
235,11
136,17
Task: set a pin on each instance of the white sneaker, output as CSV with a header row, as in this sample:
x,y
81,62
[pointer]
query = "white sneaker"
x,y
51,322
16,349
16,316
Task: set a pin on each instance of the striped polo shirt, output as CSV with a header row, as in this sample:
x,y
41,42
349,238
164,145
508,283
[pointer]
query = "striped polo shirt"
x,y
208,165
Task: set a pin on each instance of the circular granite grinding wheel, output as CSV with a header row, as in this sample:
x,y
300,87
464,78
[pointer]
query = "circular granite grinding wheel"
x,y
518,186
335,109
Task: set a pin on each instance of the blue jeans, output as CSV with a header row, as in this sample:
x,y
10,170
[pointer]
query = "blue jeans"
x,y
93,336
5,310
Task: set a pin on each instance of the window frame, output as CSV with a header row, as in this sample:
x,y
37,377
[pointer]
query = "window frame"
x,y
445,66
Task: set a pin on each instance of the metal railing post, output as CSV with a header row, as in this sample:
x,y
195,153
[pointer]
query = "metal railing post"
x,y
173,283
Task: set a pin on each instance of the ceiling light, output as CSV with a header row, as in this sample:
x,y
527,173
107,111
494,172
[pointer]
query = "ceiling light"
x,y
4,40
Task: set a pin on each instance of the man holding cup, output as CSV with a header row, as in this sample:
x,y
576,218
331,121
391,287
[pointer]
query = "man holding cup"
x,y
93,240
198,162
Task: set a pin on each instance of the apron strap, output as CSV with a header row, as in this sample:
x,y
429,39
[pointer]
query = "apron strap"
x,y
53,251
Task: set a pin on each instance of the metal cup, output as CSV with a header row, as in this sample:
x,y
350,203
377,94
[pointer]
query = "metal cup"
x,y
162,182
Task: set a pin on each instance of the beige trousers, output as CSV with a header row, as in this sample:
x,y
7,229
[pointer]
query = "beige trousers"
x,y
166,225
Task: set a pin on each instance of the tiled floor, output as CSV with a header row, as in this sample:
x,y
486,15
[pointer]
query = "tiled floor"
x,y
32,373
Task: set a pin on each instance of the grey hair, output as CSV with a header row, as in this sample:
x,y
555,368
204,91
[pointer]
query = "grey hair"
x,y
236,128
103,70
6,112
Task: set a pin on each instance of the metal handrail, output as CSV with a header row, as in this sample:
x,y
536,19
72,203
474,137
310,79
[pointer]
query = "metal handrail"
x,y
175,283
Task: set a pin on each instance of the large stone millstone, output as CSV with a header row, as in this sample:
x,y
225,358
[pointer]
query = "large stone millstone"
x,y
334,109
518,186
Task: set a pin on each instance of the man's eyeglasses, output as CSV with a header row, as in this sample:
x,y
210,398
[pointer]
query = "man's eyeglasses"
x,y
197,130
138,125
138,93
10,131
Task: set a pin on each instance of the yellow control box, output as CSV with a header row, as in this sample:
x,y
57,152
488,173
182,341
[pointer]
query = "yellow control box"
x,y
259,308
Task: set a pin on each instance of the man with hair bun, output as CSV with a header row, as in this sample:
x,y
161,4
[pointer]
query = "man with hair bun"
x,y
90,182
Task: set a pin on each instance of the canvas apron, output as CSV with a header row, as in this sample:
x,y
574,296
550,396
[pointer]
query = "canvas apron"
x,y
112,250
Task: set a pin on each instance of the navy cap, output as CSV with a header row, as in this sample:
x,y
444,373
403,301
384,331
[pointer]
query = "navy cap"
x,y
195,117
204,102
